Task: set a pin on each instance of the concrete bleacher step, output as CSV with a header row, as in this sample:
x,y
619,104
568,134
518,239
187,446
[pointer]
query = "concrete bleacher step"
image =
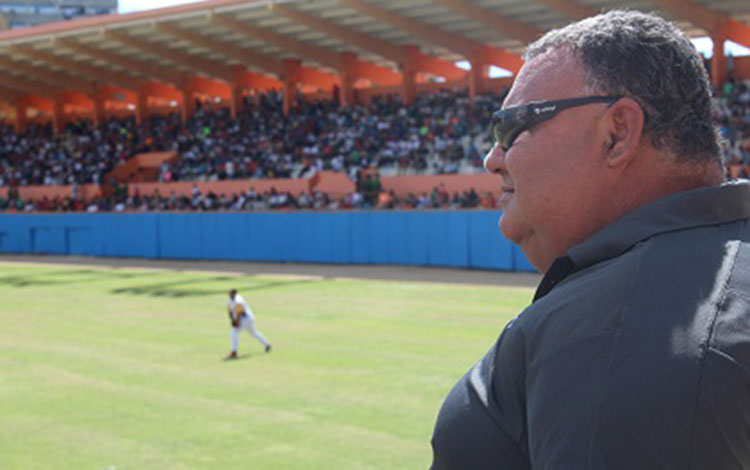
x,y
141,168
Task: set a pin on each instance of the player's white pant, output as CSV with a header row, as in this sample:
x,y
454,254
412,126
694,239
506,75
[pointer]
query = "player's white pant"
x,y
247,323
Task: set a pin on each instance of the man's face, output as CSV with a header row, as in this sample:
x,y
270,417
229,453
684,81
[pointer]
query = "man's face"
x,y
553,170
231,295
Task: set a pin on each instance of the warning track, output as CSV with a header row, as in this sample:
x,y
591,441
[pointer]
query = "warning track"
x,y
380,272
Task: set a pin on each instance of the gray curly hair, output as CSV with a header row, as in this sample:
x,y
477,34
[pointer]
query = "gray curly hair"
x,y
643,56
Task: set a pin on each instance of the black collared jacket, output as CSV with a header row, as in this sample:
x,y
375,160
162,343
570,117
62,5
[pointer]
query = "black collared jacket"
x,y
634,355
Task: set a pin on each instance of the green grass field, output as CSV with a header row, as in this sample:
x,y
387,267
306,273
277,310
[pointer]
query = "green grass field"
x,y
122,369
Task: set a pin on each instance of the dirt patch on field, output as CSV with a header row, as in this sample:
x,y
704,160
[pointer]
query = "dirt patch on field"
x,y
383,272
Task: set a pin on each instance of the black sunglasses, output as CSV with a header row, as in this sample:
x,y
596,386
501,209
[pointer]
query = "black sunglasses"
x,y
507,124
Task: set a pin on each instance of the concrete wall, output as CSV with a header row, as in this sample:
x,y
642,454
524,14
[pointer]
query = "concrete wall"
x,y
465,239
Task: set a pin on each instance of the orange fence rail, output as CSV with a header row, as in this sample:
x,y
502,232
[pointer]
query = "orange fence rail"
x,y
418,184
84,191
329,182
294,186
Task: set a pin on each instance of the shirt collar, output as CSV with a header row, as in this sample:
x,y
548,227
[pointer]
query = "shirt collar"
x,y
690,209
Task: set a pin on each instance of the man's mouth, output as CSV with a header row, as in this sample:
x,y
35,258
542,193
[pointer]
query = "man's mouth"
x,y
507,194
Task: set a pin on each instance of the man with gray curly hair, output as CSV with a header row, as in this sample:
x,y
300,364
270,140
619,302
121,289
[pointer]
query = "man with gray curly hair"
x,y
635,353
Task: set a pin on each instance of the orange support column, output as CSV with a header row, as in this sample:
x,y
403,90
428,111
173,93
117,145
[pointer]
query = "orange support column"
x,y
409,71
99,112
479,72
141,108
291,74
237,90
719,60
58,115
348,77
21,119
187,103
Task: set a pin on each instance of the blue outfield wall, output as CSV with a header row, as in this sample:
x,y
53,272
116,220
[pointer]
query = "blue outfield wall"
x,y
465,239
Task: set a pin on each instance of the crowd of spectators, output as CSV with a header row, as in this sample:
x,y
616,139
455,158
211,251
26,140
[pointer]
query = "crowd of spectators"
x,y
733,117
438,198
441,132
81,154
435,134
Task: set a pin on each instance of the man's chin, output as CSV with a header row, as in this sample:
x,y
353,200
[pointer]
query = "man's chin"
x,y
510,230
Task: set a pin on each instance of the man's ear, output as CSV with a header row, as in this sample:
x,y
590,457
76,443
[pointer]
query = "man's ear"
x,y
624,120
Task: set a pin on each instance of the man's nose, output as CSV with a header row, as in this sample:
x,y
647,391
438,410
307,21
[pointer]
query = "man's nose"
x,y
494,161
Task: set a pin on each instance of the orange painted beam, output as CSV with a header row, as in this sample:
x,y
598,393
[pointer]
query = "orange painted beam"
x,y
439,67
364,84
77,99
38,103
324,80
380,75
209,87
156,89
117,95
507,60
256,81
737,32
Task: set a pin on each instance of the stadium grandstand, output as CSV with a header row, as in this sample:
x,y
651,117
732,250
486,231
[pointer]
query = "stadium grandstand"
x,y
322,104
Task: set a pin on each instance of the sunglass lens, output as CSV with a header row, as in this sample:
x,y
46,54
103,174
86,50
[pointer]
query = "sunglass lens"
x,y
503,126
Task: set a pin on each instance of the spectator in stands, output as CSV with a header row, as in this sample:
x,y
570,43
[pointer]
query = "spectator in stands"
x,y
441,132
429,135
635,350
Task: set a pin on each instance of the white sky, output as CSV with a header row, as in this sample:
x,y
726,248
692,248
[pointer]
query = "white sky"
x,y
129,6
704,44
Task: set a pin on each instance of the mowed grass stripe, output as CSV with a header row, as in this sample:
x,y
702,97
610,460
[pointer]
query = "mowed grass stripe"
x,y
109,368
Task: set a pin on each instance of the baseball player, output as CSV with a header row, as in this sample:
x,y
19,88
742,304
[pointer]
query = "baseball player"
x,y
241,317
